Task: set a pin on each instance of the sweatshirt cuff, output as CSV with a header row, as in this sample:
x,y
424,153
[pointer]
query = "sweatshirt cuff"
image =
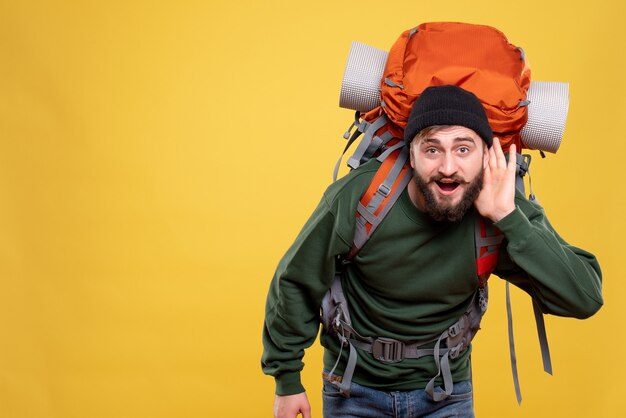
x,y
515,226
288,384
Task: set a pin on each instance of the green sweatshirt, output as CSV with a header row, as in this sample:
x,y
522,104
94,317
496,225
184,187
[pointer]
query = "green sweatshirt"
x,y
412,280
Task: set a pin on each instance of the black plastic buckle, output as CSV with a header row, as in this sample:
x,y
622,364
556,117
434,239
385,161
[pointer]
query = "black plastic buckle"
x,y
523,164
388,350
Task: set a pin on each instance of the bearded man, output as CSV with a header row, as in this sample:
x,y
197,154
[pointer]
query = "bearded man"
x,y
416,276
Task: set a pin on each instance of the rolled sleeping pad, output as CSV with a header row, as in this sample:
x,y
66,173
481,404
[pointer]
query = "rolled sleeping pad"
x,y
547,111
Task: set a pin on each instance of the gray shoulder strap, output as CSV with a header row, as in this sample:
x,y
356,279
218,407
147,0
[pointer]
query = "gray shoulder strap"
x,y
368,213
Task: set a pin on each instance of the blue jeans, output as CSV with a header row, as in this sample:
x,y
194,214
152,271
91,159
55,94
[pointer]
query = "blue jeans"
x,y
366,402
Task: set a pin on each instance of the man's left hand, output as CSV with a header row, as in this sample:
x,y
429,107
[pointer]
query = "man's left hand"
x,y
496,199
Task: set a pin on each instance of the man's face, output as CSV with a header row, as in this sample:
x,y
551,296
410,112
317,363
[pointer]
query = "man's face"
x,y
448,169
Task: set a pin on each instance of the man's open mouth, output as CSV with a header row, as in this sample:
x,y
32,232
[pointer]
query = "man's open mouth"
x,y
447,186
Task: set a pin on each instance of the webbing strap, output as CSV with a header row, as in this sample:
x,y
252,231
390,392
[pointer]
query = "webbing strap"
x,y
408,175
509,315
413,352
543,338
336,291
343,324
386,137
360,235
385,187
368,219
522,168
489,241
345,382
373,146
366,214
539,321
408,351
491,232
519,183
361,126
389,150
523,164
443,368
369,133
392,83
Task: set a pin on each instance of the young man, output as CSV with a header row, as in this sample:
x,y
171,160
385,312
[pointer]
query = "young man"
x,y
416,276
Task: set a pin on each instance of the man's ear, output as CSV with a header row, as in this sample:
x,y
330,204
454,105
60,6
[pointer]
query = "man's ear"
x,y
411,155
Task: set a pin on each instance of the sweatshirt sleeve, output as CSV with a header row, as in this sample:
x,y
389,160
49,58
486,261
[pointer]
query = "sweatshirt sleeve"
x,y
293,303
563,279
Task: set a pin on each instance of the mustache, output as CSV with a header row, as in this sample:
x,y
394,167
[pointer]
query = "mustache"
x,y
439,177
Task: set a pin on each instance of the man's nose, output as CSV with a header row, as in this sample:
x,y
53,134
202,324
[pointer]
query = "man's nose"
x,y
448,165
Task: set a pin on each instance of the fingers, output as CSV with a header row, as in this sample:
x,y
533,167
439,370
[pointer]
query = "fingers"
x,y
512,158
493,155
493,163
496,198
500,160
497,160
289,406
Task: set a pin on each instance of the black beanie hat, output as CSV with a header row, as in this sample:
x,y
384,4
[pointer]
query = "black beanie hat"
x,y
448,105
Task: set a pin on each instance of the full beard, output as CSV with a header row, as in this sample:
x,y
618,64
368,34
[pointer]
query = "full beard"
x,y
445,212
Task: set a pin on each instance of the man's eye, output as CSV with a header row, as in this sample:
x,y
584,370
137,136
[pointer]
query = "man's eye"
x,y
463,150
431,150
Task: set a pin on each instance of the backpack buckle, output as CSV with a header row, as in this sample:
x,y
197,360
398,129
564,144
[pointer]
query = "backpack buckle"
x,y
384,190
456,350
388,350
454,330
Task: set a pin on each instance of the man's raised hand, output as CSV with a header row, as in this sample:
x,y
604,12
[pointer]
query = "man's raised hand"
x,y
496,199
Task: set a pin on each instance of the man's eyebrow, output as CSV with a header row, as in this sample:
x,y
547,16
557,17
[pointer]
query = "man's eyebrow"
x,y
457,139
464,139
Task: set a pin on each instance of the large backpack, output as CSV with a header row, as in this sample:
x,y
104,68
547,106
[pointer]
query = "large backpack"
x,y
478,59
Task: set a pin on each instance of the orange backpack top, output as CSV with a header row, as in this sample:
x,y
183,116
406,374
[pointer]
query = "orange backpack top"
x,y
476,58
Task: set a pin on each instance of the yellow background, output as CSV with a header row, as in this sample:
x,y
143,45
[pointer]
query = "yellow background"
x,y
157,158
